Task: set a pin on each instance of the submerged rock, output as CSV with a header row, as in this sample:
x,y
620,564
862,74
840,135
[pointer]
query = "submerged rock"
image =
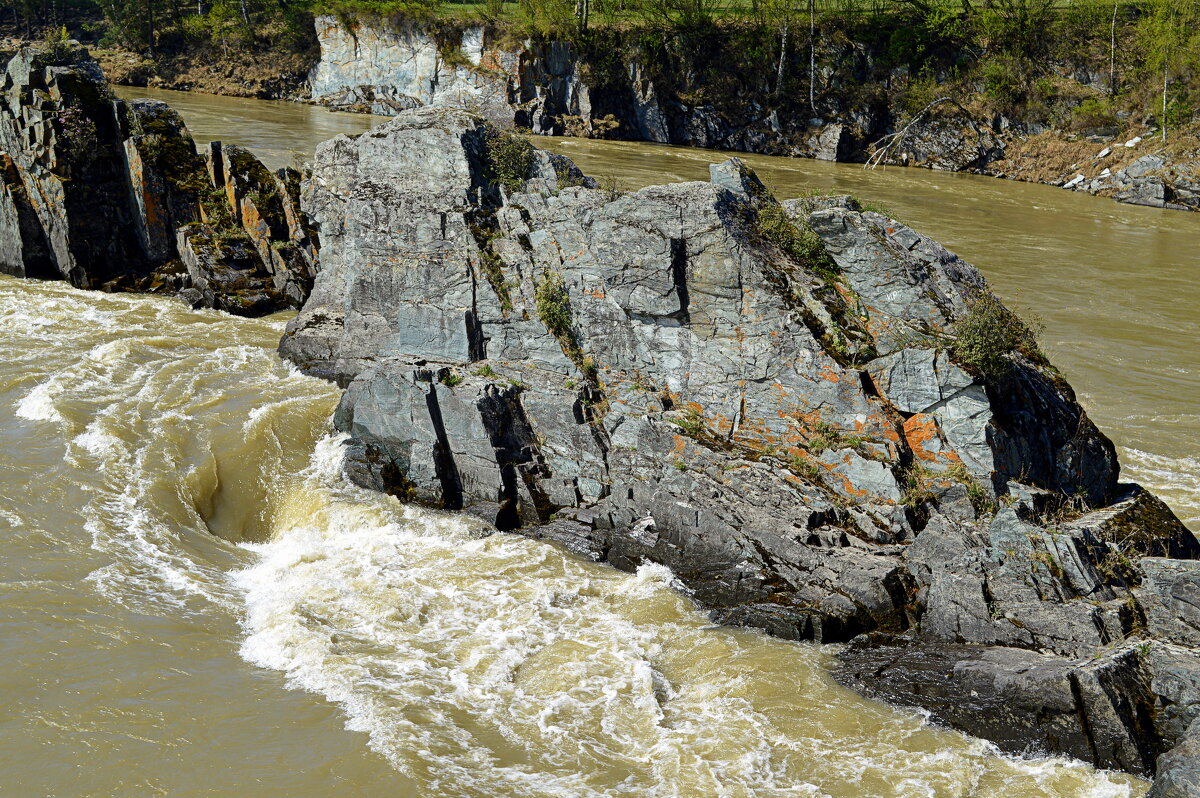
x,y
768,399
111,194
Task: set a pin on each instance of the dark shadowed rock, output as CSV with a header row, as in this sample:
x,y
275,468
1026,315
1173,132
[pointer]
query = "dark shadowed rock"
x,y
1179,769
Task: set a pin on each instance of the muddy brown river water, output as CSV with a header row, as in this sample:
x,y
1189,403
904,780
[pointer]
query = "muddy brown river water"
x,y
194,603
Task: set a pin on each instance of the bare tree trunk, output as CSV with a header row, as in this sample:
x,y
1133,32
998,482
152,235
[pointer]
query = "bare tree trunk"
x,y
812,57
1112,55
1164,119
245,14
783,39
150,26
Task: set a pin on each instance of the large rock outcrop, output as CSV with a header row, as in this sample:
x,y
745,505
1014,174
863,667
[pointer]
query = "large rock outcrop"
x,y
771,400
112,194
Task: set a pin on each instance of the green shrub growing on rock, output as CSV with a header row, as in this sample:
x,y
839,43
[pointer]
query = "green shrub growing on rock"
x,y
1094,112
800,243
554,305
987,333
509,158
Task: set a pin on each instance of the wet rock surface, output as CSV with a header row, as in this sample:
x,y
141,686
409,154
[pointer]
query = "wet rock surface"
x,y
112,194
770,400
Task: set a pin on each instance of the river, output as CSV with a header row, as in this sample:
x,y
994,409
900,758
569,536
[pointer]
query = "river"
x,y
182,549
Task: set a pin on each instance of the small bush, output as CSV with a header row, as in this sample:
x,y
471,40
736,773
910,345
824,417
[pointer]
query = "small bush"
x,y
825,437
914,487
78,133
451,379
690,421
1179,113
1093,113
486,371
509,158
1003,82
978,496
987,333
554,304
612,187
802,244
803,467
493,271
875,207
919,92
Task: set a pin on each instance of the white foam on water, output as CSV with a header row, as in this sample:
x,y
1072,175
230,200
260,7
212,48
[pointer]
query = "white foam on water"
x,y
478,665
498,666
1177,479
137,387
38,404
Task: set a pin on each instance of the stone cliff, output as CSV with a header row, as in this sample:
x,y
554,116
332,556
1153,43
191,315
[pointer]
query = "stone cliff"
x,y
819,419
859,111
113,195
547,88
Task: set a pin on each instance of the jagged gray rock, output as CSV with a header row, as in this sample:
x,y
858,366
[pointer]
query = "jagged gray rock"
x,y
764,398
112,194
1179,769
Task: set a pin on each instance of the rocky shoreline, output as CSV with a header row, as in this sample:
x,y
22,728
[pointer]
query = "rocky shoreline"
x,y
549,88
819,419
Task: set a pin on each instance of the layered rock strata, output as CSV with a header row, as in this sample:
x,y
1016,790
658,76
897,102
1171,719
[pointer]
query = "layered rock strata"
x,y
771,400
113,195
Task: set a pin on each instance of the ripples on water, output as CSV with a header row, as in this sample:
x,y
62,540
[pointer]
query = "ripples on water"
x,y
474,665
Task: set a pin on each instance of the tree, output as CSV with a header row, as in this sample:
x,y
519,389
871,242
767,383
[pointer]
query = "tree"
x,y
1112,53
680,14
780,15
1170,36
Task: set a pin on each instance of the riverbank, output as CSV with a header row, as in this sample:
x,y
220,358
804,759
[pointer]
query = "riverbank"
x,y
262,73
1058,126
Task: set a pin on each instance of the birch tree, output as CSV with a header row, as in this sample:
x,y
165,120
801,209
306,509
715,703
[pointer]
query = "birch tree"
x,y
1170,37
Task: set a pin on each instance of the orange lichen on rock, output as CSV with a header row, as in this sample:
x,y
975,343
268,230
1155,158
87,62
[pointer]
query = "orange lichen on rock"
x,y
921,432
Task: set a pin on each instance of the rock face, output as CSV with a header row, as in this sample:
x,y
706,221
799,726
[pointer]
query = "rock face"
x,y
768,399
112,194
555,88
545,87
951,142
387,72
